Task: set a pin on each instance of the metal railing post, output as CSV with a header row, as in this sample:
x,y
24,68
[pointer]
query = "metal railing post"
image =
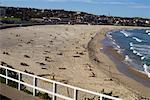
x,y
101,98
54,90
75,94
19,78
6,76
34,84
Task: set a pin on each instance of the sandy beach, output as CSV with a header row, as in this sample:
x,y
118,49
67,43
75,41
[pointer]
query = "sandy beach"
x,y
69,54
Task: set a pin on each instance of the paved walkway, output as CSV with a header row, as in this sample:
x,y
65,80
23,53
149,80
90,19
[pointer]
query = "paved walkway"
x,y
14,94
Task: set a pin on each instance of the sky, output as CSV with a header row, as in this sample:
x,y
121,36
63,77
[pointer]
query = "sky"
x,y
123,8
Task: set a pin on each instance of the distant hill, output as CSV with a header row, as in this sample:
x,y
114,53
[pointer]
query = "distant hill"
x,y
60,16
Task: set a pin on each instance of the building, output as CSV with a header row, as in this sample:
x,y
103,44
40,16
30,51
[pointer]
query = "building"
x,y
2,12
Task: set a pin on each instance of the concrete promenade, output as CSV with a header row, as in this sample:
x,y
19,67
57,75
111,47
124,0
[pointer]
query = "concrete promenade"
x,y
14,94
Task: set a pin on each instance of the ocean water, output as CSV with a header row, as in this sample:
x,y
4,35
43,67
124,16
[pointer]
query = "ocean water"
x,y
134,44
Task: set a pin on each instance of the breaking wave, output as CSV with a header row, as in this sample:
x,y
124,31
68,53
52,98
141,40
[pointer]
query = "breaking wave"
x,y
147,31
141,50
137,39
135,45
125,33
144,52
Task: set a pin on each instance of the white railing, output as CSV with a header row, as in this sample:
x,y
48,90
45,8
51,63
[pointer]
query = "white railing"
x,y
55,83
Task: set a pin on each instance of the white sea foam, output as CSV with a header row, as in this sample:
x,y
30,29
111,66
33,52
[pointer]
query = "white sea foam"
x,y
127,58
131,44
115,45
134,51
137,53
131,48
109,36
147,69
146,50
140,46
141,53
118,46
137,39
147,31
140,50
142,57
125,33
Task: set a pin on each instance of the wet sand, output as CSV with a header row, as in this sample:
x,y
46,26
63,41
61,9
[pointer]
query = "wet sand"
x,y
66,53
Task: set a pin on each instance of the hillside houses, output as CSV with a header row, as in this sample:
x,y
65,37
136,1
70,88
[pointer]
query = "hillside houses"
x,y
60,16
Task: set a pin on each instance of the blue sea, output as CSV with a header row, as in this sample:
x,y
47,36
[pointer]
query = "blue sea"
x,y
134,44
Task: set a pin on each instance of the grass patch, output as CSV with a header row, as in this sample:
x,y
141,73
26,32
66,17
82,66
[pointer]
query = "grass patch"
x,y
10,19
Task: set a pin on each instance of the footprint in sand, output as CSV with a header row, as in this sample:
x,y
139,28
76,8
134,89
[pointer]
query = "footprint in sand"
x,y
6,53
26,56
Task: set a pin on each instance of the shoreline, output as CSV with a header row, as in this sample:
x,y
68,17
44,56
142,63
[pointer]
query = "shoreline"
x,y
121,57
118,76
